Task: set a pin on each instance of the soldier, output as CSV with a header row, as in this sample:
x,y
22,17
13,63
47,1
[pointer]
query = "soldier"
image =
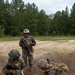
x,y
52,68
26,44
14,65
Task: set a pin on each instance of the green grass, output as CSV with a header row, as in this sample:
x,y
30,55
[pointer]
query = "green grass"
x,y
42,38
10,38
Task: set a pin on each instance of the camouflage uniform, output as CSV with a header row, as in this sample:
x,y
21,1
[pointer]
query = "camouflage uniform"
x,y
54,69
27,51
12,67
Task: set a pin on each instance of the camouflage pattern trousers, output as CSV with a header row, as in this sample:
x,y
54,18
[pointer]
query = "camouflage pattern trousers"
x,y
28,58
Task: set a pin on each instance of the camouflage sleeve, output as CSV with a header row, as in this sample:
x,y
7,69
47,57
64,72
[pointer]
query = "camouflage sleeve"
x,y
5,70
22,64
21,42
52,72
33,42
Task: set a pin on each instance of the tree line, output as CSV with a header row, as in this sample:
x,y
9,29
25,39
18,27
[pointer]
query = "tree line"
x,y
16,15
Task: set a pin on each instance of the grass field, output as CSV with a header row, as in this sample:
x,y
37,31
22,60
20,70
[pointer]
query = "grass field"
x,y
10,38
42,38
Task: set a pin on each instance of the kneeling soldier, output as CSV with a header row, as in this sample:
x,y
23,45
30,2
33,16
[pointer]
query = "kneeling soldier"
x,y
14,65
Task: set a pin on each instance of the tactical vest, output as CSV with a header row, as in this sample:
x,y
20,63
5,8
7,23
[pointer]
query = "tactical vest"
x,y
60,68
29,39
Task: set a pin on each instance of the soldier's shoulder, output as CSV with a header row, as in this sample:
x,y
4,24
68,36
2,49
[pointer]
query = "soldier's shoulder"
x,y
31,37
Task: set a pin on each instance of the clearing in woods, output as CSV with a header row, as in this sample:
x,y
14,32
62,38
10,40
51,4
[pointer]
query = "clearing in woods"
x,y
60,51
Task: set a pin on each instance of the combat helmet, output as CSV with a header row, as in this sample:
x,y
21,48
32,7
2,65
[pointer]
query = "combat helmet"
x,y
26,31
14,54
41,63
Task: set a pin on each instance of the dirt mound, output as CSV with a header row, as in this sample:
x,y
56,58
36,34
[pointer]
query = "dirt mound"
x,y
60,51
67,59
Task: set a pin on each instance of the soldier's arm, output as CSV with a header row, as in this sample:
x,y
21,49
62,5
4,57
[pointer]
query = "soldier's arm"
x,y
5,70
52,72
21,43
22,64
22,72
33,42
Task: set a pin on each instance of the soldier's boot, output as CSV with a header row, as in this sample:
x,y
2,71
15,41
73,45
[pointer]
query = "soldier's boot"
x,y
30,68
26,68
30,64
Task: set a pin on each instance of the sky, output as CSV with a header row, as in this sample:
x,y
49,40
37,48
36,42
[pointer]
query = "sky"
x,y
51,6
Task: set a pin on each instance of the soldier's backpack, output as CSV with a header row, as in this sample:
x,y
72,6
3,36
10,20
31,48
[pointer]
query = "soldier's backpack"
x,y
61,68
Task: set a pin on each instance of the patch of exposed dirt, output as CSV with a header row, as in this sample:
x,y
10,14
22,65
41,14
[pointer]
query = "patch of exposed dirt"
x,y
60,51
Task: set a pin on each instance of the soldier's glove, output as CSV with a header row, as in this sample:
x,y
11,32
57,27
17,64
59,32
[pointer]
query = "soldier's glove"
x,y
22,72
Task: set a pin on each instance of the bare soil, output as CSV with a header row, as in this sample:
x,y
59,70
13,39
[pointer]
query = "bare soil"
x,y
59,51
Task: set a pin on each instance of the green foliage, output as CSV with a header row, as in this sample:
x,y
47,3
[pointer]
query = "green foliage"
x,y
31,13
16,16
42,24
1,31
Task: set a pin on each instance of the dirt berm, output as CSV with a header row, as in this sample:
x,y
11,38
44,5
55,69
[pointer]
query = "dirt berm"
x,y
59,51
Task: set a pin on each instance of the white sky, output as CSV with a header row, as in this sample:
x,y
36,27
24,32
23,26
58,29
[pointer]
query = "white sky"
x,y
51,6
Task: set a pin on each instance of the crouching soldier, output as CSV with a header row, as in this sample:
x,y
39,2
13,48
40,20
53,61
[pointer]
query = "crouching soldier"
x,y
52,68
14,65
